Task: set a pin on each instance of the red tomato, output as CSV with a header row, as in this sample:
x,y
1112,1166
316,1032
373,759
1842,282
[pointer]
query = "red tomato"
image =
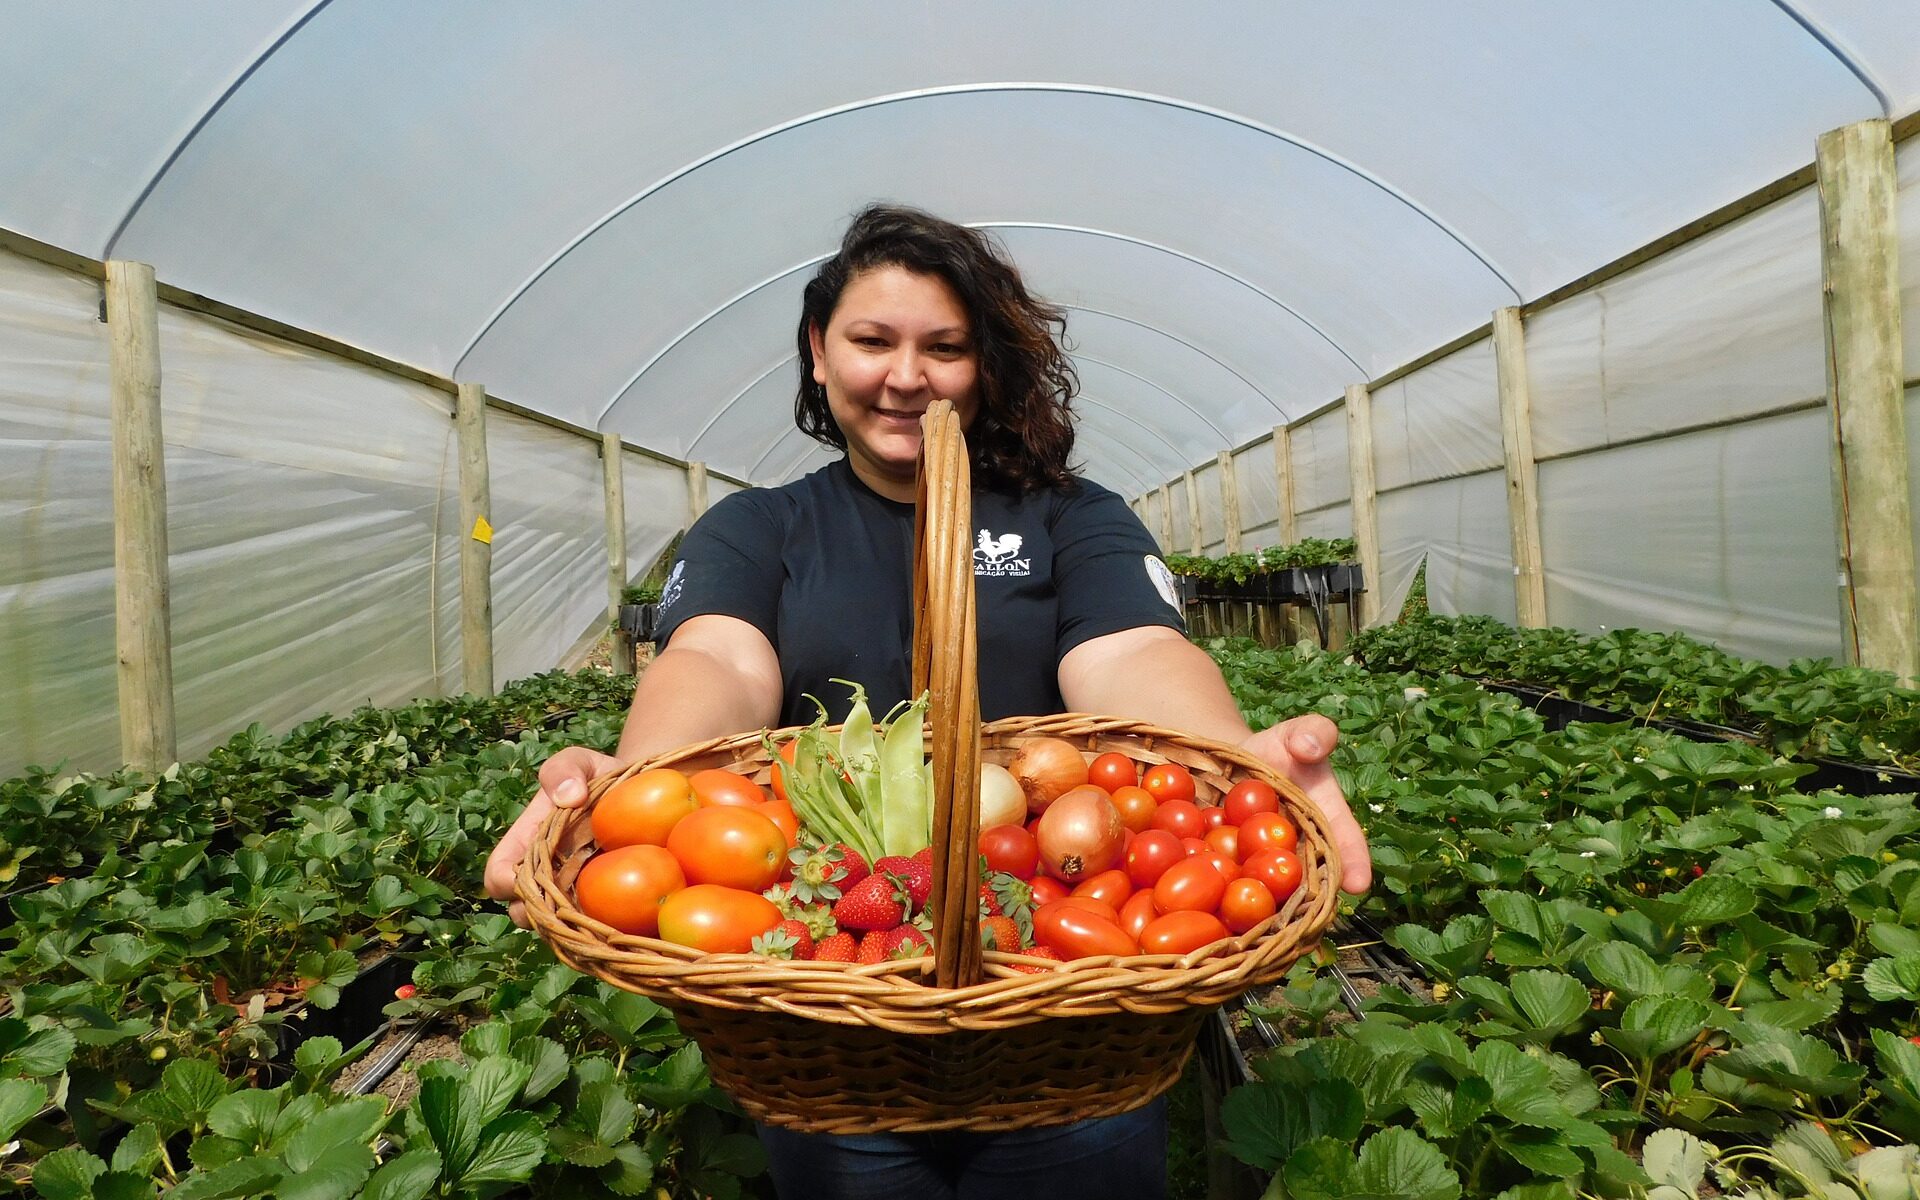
x,y
1110,887
1194,845
1182,933
1136,805
1113,771
1248,797
1078,932
1138,912
781,814
1098,907
1151,854
1192,884
1226,840
624,887
715,919
1012,849
641,809
1222,863
729,845
714,787
1214,816
1168,781
1181,818
1267,831
1280,870
1047,889
1247,902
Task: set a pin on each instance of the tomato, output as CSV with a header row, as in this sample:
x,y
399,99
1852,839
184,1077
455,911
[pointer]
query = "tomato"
x,y
1248,797
1098,907
715,788
1226,840
1080,932
1228,868
1136,805
1181,818
715,919
1194,845
1214,816
1012,849
1280,870
1267,831
624,887
1247,902
641,809
781,814
1192,884
1182,933
1112,887
1138,912
1168,781
1047,889
1113,771
786,756
734,846
1150,855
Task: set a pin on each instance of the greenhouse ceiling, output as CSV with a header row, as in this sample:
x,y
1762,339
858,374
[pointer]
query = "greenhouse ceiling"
x,y
605,212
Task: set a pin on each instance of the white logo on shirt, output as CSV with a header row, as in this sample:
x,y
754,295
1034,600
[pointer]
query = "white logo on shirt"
x,y
995,555
1163,581
670,591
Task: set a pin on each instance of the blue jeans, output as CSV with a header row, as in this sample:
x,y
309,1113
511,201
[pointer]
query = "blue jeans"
x,y
1114,1158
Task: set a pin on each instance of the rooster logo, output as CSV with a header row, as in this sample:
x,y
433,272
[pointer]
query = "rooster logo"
x,y
990,549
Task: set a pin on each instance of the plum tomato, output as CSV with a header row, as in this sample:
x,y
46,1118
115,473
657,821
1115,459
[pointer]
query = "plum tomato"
x,y
1109,887
1228,868
1181,818
1150,855
1192,884
1267,831
1280,870
1246,903
781,813
624,888
715,919
1047,889
1248,797
717,788
1136,805
1226,840
1076,931
1113,771
641,809
1011,848
1182,932
1138,912
730,845
1168,781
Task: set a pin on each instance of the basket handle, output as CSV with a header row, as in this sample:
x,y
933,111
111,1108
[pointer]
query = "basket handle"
x,y
946,664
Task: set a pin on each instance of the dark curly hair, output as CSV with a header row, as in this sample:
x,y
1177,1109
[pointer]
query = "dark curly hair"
x,y
1023,434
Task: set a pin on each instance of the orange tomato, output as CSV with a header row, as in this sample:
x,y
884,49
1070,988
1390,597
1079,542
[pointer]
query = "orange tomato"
x,y
1279,870
1192,884
1226,840
1138,912
1181,818
733,846
1136,805
715,919
1168,781
781,814
1181,932
1113,771
1078,932
625,887
1267,831
1246,903
1150,854
1110,887
1248,797
717,788
641,809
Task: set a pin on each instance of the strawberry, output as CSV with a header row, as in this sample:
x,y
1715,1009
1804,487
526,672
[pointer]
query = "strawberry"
x,y
907,942
789,939
915,876
839,948
1000,933
925,857
1037,952
873,947
849,858
876,902
824,873
989,903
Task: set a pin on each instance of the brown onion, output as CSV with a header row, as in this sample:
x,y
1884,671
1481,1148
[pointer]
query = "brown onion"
x,y
1046,769
1001,800
1081,835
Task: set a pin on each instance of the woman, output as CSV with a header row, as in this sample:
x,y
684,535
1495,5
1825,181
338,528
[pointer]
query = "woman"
x,y
777,591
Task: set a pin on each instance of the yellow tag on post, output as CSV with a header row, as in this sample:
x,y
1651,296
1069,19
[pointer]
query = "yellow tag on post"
x,y
482,532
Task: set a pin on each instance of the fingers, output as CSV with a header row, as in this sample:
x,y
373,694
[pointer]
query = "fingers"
x,y
1309,738
565,776
1298,749
506,856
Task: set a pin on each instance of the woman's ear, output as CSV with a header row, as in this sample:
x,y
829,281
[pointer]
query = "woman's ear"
x,y
818,342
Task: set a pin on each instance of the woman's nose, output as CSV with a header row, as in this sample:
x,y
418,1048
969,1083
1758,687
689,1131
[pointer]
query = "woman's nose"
x,y
906,372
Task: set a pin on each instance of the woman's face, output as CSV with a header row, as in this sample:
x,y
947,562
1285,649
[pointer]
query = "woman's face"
x,y
897,341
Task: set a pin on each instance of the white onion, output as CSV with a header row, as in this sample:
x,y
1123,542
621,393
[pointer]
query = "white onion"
x,y
1001,800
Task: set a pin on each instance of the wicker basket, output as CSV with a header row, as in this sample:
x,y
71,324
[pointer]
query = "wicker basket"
x,y
961,1039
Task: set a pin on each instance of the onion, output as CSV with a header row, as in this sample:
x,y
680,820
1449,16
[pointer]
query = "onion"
x,y
1046,769
1001,800
1080,835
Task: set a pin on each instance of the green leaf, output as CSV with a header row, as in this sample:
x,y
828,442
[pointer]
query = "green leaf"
x,y
547,1062
1399,1162
1898,1058
67,1174
20,1102
314,1054
1446,1112
1542,1155
125,1185
29,1052
1522,1087
246,1116
675,1082
1323,1169
1550,1000
1675,1158
351,1123
448,1114
139,1151
630,1173
510,1148
408,1177
246,1177
1265,1123
338,1176
1655,1025
190,1087
1893,978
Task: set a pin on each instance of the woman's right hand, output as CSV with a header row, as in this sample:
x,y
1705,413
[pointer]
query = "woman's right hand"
x,y
563,784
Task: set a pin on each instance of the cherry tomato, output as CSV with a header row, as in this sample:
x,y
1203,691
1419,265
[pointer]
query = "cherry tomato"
x,y
1228,868
1182,932
1151,854
1138,912
1047,889
1267,831
1280,870
641,809
715,919
1168,781
1181,818
1214,816
1078,932
781,814
625,887
1247,902
1113,771
1194,845
1110,887
1226,840
714,787
1192,884
1012,849
1136,805
1248,797
730,845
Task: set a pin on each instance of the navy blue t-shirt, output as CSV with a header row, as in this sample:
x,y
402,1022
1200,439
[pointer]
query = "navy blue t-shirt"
x,y
824,567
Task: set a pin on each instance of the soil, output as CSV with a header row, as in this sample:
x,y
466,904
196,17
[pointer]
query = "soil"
x,y
400,1087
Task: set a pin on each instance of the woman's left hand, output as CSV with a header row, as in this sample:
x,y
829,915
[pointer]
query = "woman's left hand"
x,y
1298,749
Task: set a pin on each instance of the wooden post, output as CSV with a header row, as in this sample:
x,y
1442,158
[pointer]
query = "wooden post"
x,y
612,474
1166,519
143,624
1860,269
1229,501
1283,469
1195,535
1366,524
1516,437
696,492
476,545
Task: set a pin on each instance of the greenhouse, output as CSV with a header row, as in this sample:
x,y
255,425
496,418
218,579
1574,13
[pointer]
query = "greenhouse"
x,y
396,398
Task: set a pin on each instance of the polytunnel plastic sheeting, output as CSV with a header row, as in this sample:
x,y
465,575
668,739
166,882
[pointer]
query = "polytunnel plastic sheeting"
x,y
656,508
549,545
1439,421
1259,484
1321,473
1726,534
1721,328
1333,522
1459,527
1182,535
1907,225
58,691
1213,531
